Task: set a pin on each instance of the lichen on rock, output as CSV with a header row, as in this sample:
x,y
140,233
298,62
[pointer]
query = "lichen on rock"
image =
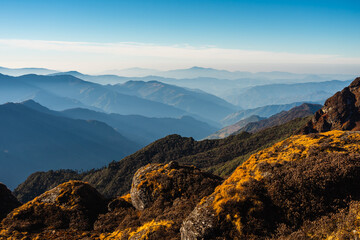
x,y
71,205
287,184
163,195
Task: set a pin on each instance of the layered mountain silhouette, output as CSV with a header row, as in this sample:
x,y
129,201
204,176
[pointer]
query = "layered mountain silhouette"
x,y
218,82
227,131
195,102
60,92
144,130
85,93
34,140
275,94
196,72
255,123
301,111
264,112
285,186
24,71
139,129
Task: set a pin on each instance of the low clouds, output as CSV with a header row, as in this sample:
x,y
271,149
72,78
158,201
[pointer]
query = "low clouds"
x,y
96,57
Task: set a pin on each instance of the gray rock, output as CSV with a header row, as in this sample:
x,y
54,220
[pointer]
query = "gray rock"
x,y
199,225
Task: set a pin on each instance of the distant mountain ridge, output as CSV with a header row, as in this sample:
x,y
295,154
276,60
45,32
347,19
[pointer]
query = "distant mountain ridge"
x,y
273,94
222,83
301,111
255,123
195,102
32,140
139,129
196,72
81,94
227,131
265,112
24,71
60,92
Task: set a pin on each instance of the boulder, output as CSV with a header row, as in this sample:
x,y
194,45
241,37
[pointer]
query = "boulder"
x,y
162,195
71,205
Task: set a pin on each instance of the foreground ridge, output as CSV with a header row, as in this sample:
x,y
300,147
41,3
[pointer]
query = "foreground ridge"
x,y
278,190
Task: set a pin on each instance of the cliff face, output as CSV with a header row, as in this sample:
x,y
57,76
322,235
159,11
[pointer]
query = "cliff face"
x,y
278,190
340,112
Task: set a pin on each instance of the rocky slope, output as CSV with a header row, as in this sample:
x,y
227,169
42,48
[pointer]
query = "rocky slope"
x,y
305,187
277,191
217,156
162,195
340,112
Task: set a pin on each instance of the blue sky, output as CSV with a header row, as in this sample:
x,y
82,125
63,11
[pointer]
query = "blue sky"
x,y
296,27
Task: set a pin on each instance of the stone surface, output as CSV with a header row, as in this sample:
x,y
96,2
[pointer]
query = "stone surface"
x,y
340,112
280,189
71,205
163,195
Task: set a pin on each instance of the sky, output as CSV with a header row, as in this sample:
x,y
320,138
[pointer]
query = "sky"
x,y
92,36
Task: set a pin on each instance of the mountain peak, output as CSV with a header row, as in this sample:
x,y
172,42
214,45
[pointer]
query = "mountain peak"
x,y
355,83
340,112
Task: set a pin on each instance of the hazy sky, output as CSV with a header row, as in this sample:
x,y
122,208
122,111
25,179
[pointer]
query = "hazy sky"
x,y
94,36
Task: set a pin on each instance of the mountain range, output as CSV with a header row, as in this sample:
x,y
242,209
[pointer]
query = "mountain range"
x,y
221,83
197,72
60,92
274,94
144,130
33,141
296,180
24,71
195,102
228,130
264,112
304,110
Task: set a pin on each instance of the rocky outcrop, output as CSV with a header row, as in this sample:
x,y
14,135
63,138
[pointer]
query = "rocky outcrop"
x,y
169,182
7,201
277,191
340,112
162,195
72,205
